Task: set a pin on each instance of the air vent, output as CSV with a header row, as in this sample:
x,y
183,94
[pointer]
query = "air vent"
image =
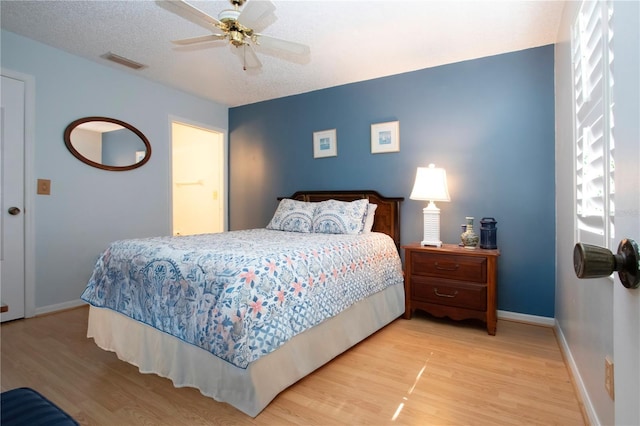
x,y
123,61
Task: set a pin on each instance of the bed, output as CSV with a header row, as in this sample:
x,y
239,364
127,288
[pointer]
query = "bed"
x,y
242,315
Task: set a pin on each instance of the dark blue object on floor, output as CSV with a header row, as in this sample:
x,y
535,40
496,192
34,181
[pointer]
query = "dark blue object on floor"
x,y
26,407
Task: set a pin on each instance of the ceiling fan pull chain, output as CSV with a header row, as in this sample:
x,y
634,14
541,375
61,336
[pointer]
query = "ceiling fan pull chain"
x,y
244,57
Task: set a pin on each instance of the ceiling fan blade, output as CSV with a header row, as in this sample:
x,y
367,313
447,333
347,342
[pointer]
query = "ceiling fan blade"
x,y
201,39
254,12
192,13
247,56
284,45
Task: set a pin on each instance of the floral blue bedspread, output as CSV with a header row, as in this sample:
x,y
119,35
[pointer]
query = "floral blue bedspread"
x,y
241,294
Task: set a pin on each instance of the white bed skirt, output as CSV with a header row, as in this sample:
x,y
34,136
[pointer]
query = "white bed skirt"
x,y
249,390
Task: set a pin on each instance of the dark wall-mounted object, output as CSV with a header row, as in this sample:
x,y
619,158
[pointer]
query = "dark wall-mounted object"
x,y
107,143
592,262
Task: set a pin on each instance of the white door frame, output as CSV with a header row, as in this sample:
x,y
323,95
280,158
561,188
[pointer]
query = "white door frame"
x,y
29,189
225,167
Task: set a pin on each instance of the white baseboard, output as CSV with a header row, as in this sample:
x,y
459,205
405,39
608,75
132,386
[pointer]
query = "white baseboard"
x,y
581,388
59,307
526,318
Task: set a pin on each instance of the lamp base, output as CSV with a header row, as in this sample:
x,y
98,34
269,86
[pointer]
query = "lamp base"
x,y
431,216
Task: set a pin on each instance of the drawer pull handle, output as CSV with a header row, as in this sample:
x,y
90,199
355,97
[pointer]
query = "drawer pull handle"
x,y
444,268
435,291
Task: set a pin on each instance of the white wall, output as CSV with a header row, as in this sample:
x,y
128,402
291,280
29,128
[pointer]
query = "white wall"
x,y
88,143
88,207
585,308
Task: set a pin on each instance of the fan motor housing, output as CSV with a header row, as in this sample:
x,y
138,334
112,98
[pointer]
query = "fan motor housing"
x,y
228,15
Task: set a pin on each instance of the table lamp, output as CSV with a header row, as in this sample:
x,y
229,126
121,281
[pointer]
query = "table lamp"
x,y
431,185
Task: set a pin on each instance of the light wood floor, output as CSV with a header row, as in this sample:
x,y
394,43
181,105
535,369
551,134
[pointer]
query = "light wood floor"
x,y
422,371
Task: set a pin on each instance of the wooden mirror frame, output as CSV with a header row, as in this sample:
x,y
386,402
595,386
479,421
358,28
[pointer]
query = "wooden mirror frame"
x,y
79,156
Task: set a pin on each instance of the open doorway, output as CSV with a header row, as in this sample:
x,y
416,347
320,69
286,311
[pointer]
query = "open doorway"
x,y
197,180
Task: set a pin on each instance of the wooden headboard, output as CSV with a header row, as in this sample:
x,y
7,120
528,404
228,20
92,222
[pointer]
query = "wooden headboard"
x,y
387,217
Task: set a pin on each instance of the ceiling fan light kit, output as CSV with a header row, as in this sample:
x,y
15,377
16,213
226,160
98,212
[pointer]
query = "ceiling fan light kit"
x,y
236,26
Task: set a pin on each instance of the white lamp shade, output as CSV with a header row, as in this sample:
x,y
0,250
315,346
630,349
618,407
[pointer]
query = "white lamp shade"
x,y
430,184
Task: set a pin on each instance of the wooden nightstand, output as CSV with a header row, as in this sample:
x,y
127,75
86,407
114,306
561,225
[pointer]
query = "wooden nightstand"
x,y
451,281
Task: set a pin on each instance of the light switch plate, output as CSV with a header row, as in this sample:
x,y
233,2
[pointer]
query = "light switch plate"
x,y
44,187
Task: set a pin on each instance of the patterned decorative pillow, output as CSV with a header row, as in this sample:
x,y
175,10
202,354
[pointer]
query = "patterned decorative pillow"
x,y
340,217
293,216
368,221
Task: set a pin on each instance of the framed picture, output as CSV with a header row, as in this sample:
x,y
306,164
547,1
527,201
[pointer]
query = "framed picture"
x,y
325,144
140,155
385,137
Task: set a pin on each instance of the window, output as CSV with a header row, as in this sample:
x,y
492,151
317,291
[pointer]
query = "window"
x,y
592,59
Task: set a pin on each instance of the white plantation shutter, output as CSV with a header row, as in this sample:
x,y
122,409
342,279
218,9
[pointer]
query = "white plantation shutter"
x,y
591,44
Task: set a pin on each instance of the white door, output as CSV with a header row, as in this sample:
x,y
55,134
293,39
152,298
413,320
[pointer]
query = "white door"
x,y
626,302
198,180
12,288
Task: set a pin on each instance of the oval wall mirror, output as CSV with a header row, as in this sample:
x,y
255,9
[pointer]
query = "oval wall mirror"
x,y
107,143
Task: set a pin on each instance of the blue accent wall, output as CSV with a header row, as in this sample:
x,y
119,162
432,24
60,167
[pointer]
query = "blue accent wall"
x,y
119,147
489,122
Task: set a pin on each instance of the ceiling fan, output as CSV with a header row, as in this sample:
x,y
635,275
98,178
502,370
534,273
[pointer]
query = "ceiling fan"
x,y
236,26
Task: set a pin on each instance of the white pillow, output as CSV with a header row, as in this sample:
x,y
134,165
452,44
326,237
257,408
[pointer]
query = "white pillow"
x,y
340,217
371,214
293,216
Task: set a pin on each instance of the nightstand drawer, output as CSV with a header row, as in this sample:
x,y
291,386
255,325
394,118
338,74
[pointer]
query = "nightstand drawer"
x,y
463,295
455,267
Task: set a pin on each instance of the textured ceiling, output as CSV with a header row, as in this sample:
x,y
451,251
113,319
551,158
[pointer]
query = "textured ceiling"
x,y
350,41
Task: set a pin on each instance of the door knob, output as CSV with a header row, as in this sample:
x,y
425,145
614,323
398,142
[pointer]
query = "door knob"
x,y
592,261
13,211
